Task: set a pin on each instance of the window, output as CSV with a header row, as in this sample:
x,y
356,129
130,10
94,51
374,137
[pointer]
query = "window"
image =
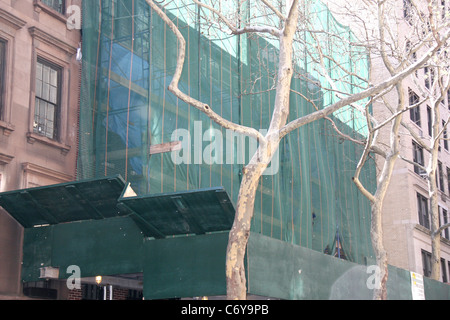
x,y
444,271
448,99
448,179
92,292
440,176
445,136
443,11
407,10
58,5
430,126
429,77
445,219
47,99
2,76
426,263
413,54
418,158
422,205
414,113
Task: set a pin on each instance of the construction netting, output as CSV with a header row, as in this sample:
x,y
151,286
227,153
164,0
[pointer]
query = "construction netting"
x,y
128,118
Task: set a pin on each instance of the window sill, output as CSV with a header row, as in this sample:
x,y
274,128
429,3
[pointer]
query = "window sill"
x,y
7,128
33,137
39,6
5,158
423,229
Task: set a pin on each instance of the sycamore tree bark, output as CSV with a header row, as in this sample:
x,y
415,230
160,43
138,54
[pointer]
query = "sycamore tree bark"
x,y
278,128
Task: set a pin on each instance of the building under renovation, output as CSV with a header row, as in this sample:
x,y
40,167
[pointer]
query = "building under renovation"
x,y
154,198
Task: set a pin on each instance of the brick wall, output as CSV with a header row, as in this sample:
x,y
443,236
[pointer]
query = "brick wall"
x,y
120,294
74,294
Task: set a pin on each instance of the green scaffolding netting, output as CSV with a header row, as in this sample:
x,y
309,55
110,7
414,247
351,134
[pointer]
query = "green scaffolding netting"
x,y
129,56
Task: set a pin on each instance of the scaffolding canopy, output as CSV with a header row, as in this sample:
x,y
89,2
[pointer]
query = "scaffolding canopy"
x,y
158,216
91,199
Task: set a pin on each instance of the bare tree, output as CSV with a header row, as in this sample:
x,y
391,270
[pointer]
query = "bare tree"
x,y
426,26
398,50
437,81
438,88
282,26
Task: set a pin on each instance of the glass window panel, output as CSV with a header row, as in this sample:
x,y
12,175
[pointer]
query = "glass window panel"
x,y
53,94
42,111
38,87
49,129
46,74
54,77
45,91
36,109
50,112
39,71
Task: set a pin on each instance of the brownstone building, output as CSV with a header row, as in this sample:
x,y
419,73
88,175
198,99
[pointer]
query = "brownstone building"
x,y
39,99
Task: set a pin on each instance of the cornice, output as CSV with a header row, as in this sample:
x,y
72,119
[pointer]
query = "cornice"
x,y
46,37
11,20
36,169
5,159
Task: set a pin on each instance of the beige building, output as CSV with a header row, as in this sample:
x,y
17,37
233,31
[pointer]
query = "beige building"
x,y
406,218
39,99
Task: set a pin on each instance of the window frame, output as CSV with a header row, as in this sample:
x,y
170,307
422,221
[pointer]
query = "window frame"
x,y
57,105
448,99
444,271
444,135
8,36
426,263
3,50
58,52
63,6
446,231
418,157
414,113
429,75
424,217
407,10
440,176
448,179
430,126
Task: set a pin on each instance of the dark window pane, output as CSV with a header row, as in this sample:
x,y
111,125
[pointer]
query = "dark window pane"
x,y
58,5
2,75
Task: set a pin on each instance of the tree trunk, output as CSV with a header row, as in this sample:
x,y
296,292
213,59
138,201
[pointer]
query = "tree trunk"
x,y
435,254
434,219
380,292
240,231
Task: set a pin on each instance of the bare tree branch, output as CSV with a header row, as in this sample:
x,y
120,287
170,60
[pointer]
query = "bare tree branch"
x,y
297,123
173,86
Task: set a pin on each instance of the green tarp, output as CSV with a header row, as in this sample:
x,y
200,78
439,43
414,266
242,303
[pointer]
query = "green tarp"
x,y
129,56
